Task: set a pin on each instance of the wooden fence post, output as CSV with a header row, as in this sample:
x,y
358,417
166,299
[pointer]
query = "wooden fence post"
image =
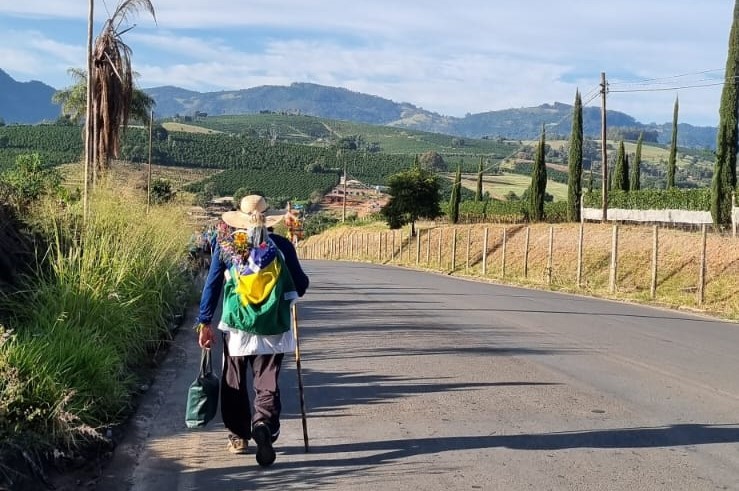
x,y
428,247
387,249
410,241
733,206
400,246
467,264
502,263
418,248
441,232
526,254
655,252
454,249
614,259
485,252
579,254
702,273
550,259
392,252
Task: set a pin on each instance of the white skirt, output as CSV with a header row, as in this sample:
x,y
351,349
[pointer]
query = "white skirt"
x,y
242,343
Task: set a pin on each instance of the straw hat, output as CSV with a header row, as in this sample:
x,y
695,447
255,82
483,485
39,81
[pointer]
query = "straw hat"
x,y
252,212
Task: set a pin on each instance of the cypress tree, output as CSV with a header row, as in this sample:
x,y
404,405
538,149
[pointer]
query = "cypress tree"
x,y
635,180
478,193
456,197
538,181
621,174
574,160
724,170
590,179
672,162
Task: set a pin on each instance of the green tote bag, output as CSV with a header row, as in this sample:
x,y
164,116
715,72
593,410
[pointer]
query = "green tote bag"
x,y
202,397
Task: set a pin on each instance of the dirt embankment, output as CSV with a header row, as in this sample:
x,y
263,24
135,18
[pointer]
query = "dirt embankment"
x,y
520,254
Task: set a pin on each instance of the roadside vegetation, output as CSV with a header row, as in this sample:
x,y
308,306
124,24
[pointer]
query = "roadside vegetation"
x,y
83,320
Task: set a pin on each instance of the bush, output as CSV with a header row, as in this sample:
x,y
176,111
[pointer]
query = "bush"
x,y
28,180
161,191
653,199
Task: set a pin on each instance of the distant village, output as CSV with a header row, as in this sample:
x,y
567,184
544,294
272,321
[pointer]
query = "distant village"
x,y
361,200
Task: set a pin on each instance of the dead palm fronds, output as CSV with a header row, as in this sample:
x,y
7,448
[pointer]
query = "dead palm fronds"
x,y
112,82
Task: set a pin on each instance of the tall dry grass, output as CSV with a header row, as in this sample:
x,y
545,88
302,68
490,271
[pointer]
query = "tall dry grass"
x,y
84,324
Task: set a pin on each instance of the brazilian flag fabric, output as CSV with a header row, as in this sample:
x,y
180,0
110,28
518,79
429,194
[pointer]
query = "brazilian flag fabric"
x,y
257,297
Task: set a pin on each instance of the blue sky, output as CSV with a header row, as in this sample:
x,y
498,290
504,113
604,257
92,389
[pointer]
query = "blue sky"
x,y
453,58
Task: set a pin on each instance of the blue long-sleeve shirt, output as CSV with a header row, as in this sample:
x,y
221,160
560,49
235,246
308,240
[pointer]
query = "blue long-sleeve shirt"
x,y
214,281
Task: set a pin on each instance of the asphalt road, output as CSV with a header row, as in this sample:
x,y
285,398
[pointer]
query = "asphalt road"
x,y
423,381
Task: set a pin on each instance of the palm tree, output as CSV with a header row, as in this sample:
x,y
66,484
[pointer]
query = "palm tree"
x,y
73,99
112,82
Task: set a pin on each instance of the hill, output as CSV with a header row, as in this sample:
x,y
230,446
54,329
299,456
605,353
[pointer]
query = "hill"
x,y
342,104
26,102
30,102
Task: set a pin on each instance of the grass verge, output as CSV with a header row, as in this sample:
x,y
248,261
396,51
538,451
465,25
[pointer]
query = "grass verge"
x,y
84,326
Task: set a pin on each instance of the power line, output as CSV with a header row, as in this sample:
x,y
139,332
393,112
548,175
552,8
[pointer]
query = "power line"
x,y
671,77
660,89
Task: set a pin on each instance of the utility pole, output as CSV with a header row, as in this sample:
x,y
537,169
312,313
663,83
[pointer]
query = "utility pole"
x,y
604,151
88,115
148,179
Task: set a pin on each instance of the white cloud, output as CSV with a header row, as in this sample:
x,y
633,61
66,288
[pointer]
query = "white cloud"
x,y
469,56
31,54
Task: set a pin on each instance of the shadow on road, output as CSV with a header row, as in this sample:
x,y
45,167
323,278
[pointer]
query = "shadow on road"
x,y
362,458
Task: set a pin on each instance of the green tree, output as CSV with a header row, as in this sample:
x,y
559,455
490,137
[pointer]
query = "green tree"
x,y
538,181
456,196
672,162
433,161
724,170
590,179
621,173
414,194
574,161
635,179
478,192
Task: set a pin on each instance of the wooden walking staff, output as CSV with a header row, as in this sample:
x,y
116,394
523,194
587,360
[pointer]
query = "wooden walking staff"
x,y
300,376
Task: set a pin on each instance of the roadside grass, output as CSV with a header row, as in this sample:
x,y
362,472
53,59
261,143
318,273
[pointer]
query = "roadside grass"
x,y
85,326
678,261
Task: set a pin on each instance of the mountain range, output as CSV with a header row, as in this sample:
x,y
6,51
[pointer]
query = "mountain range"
x,y
30,102
26,102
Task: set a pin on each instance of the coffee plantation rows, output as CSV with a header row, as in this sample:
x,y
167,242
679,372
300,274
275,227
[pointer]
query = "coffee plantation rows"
x,y
295,185
386,139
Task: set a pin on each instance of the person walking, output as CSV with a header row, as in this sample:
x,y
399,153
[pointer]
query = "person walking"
x,y
261,277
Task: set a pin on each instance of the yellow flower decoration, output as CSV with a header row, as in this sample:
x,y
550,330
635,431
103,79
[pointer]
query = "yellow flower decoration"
x,y
241,242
